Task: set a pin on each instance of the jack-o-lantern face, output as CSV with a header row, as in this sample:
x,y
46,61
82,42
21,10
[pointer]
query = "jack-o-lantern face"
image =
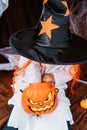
x,y
39,98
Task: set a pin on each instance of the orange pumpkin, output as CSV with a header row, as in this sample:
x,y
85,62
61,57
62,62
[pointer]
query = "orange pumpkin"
x,y
83,103
39,98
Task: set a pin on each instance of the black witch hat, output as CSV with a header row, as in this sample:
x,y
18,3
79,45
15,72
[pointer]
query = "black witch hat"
x,y
51,41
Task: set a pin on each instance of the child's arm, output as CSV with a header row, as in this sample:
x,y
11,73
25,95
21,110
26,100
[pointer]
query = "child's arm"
x,y
48,77
62,75
59,76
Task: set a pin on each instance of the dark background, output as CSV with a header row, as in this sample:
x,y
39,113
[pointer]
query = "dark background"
x,y
19,15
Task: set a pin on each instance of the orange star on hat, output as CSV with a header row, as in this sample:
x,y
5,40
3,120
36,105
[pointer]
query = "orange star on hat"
x,y
67,11
47,26
51,41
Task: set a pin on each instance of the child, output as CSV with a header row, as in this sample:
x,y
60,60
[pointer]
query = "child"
x,y
31,72
52,46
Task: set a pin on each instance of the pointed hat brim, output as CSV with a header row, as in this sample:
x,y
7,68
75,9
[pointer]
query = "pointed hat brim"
x,y
24,43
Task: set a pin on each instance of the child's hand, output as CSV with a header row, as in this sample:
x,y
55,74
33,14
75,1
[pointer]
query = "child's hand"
x,y
48,78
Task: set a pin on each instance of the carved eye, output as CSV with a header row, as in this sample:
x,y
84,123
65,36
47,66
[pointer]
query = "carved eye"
x,y
49,97
34,103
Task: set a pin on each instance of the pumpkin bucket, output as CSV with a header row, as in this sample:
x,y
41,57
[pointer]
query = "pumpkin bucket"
x,y
39,98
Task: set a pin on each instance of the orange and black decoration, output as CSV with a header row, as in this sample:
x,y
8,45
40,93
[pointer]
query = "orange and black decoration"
x,y
40,98
47,26
51,40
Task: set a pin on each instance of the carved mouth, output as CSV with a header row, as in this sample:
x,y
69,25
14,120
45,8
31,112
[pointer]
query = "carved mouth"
x,y
40,109
48,107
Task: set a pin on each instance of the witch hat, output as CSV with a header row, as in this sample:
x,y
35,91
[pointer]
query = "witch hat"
x,y
51,41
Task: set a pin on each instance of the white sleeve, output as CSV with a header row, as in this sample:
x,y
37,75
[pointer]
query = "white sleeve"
x,y
62,75
3,6
11,56
22,61
7,66
12,64
31,74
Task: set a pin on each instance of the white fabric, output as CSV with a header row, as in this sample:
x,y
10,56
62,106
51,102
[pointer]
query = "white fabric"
x,y
3,6
11,56
56,120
